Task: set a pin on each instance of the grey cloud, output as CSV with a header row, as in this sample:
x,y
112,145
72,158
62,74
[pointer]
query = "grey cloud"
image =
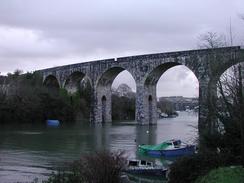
x,y
68,31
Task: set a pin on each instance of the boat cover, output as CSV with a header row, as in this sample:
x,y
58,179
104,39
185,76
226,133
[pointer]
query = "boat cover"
x,y
161,146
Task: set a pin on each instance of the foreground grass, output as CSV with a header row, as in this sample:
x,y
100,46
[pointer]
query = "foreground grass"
x,y
224,175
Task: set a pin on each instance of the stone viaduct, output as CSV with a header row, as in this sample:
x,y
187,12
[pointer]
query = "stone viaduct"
x,y
206,64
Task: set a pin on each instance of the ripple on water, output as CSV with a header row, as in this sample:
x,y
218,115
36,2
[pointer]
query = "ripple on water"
x,y
29,133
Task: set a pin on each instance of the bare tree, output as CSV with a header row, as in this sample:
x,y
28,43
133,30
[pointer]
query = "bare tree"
x,y
230,108
211,40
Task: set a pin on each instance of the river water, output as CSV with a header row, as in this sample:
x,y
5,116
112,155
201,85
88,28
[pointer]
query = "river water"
x,y
29,152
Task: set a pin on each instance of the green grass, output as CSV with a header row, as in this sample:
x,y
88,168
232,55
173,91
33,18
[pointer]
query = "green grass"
x,y
224,175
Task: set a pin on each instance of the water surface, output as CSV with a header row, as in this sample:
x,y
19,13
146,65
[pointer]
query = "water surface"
x,y
29,152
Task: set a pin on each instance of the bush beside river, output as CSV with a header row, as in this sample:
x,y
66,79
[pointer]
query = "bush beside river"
x,y
189,169
100,167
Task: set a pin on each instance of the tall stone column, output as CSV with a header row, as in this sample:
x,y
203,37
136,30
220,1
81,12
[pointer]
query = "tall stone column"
x,y
203,111
146,104
207,119
93,112
102,105
213,126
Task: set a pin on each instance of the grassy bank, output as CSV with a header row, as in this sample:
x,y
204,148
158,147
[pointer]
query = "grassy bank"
x,y
223,175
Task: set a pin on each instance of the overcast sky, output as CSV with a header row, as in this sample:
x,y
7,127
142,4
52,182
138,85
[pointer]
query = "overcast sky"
x,y
36,34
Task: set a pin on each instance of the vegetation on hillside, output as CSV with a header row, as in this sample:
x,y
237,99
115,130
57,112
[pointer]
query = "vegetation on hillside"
x,y
166,107
26,100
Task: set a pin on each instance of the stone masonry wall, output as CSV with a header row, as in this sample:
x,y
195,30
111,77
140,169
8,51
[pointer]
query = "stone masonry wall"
x,y
206,64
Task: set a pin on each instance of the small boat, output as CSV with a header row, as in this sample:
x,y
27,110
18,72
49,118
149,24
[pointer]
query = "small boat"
x,y
170,148
52,122
142,167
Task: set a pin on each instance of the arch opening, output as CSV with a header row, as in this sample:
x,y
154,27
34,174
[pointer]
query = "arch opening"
x,y
79,88
229,77
172,92
51,82
178,90
72,83
230,96
123,97
154,76
84,94
229,109
115,84
108,77
178,80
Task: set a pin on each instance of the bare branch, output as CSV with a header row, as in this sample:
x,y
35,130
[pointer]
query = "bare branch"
x,y
211,40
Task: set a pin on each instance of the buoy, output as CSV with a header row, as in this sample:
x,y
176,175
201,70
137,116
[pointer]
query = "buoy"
x,y
51,122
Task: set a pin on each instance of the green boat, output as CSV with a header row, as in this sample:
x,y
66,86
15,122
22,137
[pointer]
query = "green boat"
x,y
168,148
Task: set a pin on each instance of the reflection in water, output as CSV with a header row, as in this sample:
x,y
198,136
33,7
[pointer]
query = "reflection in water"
x,y
27,152
146,179
146,134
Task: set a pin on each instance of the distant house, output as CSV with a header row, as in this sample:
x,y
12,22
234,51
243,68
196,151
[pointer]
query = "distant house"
x,y
181,103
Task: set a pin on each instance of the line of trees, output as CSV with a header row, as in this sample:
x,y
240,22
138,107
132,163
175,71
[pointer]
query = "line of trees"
x,y
26,100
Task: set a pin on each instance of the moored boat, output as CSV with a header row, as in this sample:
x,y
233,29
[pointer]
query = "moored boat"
x,y
170,148
52,122
147,168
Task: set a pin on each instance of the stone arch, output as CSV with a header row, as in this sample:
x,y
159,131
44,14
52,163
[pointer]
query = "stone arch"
x,y
154,75
79,88
107,77
212,95
223,68
72,83
103,89
150,94
51,82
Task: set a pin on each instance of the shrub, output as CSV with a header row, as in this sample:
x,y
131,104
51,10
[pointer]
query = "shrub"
x,y
188,169
101,167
